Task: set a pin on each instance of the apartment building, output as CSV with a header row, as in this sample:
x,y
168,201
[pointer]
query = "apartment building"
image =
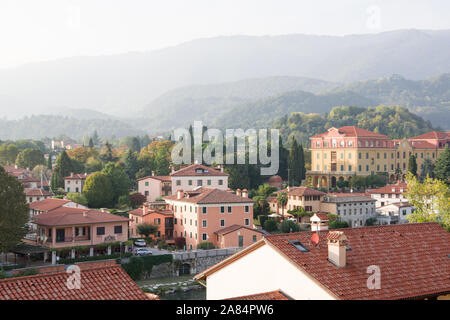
x,y
200,214
341,153
155,213
307,198
389,194
75,182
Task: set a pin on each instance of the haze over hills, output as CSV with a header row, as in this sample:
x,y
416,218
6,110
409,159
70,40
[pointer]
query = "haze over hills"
x,y
118,84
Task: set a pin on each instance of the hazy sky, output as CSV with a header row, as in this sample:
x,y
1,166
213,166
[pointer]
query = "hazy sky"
x,y
33,30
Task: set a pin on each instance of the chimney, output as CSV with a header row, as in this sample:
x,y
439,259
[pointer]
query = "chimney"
x,y
145,208
238,192
16,167
71,174
153,173
337,248
289,188
244,193
180,194
172,168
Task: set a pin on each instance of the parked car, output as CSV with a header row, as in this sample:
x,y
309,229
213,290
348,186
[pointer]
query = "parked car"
x,y
140,243
142,252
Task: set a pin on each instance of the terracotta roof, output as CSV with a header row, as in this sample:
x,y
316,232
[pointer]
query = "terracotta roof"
x,y
192,171
398,204
413,259
390,188
438,135
233,228
302,191
352,131
272,295
140,212
105,283
65,216
209,195
14,169
48,204
29,179
34,192
81,176
160,178
322,216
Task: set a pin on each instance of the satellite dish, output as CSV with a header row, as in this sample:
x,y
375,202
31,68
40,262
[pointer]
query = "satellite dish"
x,y
315,239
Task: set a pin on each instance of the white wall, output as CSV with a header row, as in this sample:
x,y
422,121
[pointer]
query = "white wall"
x,y
262,270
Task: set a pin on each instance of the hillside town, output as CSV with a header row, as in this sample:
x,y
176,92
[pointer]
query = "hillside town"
x,y
361,194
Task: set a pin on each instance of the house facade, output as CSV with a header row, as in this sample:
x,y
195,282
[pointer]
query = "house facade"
x,y
154,187
339,266
389,194
394,213
75,183
35,194
199,213
341,153
353,209
156,214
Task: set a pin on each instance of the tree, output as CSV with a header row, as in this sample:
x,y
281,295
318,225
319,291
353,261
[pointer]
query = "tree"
x,y
91,143
135,145
266,190
341,184
131,166
295,164
13,211
442,168
427,169
289,226
283,160
29,158
119,180
107,154
430,200
412,165
50,161
95,138
282,200
63,168
8,154
270,225
98,190
146,229
205,245
136,200
77,198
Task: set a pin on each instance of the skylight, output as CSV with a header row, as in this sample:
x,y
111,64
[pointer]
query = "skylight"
x,y
299,245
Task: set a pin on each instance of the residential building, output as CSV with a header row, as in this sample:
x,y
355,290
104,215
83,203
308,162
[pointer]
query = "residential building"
x,y
97,283
154,187
199,213
237,236
404,261
306,198
35,194
70,227
341,153
319,221
353,209
75,182
393,213
16,171
187,178
388,194
153,213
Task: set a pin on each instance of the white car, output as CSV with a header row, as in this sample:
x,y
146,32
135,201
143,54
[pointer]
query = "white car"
x,y
142,252
140,243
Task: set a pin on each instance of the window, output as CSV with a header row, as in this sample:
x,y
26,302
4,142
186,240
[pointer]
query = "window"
x,y
349,155
204,223
247,209
117,229
385,155
246,221
367,155
222,209
342,167
367,167
325,155
254,238
318,155
204,210
100,231
378,155
190,182
199,182
342,143
349,168
360,155
222,222
209,182
204,236
146,183
359,168
229,209
178,182
350,143
220,182
342,155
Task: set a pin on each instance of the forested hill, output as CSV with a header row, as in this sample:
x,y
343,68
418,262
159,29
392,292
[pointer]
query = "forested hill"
x,y
395,122
38,127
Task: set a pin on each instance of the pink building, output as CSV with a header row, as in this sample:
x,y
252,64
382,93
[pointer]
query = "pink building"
x,y
154,187
35,194
200,213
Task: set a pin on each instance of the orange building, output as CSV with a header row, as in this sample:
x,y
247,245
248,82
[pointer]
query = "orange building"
x,y
156,214
199,213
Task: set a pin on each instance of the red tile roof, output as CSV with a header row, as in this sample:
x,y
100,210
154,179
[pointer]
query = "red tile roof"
x,y
272,295
209,196
140,212
413,259
302,191
390,189
81,176
322,216
233,228
160,178
34,192
65,216
438,135
352,131
105,283
48,204
192,171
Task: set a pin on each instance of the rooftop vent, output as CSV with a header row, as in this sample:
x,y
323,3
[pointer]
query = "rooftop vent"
x,y
299,245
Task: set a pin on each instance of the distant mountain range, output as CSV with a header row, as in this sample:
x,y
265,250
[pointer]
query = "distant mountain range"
x,y
123,83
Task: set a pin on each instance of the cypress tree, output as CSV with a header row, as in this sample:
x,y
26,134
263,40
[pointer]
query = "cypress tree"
x,y
412,165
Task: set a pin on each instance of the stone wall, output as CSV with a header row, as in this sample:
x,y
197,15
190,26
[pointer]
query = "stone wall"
x,y
192,261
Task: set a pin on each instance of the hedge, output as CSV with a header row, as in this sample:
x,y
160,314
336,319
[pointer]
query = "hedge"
x,y
95,258
140,267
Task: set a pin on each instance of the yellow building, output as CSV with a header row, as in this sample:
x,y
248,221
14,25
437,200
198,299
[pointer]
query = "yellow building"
x,y
340,154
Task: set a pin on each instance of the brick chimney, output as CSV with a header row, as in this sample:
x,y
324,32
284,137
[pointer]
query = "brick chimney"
x,y
244,193
180,194
337,248
153,173
238,192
